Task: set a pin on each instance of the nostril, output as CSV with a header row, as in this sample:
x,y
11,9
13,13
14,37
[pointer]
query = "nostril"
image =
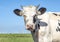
x,y
27,25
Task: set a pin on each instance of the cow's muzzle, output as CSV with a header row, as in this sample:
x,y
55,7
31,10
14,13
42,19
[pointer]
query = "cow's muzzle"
x,y
30,27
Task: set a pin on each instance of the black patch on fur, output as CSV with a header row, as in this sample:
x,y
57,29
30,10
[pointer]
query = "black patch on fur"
x,y
58,27
59,24
55,14
34,19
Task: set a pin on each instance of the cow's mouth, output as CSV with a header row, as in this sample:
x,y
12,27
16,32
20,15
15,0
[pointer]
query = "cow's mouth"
x,y
30,29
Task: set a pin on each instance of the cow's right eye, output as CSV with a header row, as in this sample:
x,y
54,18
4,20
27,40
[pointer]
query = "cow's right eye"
x,y
25,16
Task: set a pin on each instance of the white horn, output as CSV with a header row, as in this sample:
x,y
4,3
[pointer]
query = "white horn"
x,y
38,6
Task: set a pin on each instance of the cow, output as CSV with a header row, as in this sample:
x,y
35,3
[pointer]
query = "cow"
x,y
44,26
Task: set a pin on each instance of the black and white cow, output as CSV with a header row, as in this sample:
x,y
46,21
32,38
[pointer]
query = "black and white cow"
x,y
44,27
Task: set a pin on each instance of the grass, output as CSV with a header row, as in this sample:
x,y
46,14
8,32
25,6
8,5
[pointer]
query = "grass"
x,y
16,38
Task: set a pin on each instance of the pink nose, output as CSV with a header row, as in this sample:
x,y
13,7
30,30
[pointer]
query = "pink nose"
x,y
29,27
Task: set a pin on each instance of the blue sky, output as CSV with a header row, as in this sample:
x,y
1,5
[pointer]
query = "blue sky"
x,y
10,23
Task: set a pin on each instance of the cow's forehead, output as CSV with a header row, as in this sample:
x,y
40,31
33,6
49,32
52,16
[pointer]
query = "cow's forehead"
x,y
29,8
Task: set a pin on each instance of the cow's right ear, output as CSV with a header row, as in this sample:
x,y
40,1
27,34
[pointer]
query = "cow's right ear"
x,y
17,12
42,10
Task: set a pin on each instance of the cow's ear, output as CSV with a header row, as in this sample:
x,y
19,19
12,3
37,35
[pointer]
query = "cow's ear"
x,y
17,12
42,10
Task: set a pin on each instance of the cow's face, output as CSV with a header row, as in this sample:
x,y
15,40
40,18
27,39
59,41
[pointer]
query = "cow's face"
x,y
29,13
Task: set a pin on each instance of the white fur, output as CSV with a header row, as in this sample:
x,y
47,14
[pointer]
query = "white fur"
x,y
52,21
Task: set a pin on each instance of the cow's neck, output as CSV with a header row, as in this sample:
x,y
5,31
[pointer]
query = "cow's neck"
x,y
35,33
35,36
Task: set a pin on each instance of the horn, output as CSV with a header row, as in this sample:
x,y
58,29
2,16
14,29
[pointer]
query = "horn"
x,y
21,6
37,6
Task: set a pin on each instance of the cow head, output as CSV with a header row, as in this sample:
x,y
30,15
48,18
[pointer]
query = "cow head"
x,y
29,13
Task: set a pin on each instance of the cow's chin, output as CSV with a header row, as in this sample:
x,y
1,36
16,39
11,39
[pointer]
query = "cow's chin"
x,y
32,30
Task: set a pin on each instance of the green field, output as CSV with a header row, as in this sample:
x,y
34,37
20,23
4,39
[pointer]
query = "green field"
x,y
16,38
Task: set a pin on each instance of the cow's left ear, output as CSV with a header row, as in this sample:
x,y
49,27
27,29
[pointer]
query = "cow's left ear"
x,y
42,10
